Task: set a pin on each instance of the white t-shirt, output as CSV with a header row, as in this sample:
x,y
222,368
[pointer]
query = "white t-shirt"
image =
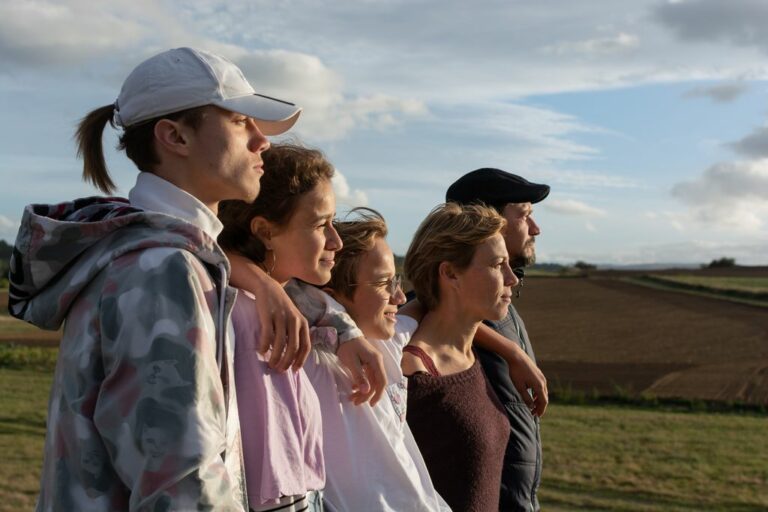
x,y
371,459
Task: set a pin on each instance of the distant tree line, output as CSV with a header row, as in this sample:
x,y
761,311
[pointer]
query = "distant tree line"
x,y
721,263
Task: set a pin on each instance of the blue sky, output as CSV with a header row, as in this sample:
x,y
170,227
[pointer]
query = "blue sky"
x,y
647,117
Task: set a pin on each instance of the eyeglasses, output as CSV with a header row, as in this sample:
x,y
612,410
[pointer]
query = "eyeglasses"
x,y
392,284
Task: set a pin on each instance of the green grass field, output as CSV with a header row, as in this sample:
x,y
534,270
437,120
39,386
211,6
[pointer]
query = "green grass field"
x,y
23,407
595,457
735,283
629,459
744,290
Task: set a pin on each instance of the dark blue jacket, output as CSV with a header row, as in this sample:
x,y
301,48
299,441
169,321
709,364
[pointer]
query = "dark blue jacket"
x,y
522,461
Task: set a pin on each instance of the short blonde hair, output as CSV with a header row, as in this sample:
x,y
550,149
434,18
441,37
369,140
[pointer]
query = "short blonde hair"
x,y
451,232
358,236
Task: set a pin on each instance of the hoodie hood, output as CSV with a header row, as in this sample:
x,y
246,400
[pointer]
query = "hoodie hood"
x,y
61,247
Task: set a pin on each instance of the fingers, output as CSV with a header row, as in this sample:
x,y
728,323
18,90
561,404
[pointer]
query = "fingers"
x,y
528,399
541,393
267,335
361,389
377,377
291,344
305,345
365,366
538,397
279,340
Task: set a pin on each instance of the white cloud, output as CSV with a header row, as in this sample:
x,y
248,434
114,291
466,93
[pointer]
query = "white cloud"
x,y
107,39
346,196
8,227
732,195
329,112
686,252
585,179
572,207
34,33
524,137
401,50
619,43
727,181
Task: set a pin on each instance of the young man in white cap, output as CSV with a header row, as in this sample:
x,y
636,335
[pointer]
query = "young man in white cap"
x,y
512,196
143,413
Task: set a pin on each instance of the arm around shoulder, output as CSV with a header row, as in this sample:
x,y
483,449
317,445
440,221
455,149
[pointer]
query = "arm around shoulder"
x,y
284,327
523,371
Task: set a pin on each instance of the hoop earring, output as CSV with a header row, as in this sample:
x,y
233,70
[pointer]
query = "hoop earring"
x,y
271,268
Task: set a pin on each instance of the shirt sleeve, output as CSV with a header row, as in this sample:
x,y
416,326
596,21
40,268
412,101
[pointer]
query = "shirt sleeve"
x,y
161,410
321,310
404,329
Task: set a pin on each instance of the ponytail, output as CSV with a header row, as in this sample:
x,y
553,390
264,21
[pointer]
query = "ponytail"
x,y
90,148
138,142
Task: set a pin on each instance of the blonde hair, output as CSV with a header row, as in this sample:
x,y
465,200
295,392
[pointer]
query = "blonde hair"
x,y
451,233
358,236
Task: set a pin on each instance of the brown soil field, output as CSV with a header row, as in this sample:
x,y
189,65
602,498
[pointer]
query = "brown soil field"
x,y
594,334
599,333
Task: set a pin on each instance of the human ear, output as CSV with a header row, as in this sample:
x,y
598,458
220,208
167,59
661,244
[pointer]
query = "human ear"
x,y
262,228
172,136
447,273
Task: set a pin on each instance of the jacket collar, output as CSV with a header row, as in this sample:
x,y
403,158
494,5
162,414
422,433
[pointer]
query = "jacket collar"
x,y
155,194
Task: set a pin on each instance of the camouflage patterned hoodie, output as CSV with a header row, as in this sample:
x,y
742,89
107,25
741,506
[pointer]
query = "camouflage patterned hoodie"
x,y
142,413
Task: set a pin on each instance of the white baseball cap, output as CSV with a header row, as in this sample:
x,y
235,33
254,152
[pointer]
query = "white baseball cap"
x,y
185,78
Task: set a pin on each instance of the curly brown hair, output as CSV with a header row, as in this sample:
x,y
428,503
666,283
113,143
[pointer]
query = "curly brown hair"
x,y
451,232
291,170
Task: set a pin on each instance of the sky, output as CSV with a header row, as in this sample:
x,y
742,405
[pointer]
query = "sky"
x,y
646,117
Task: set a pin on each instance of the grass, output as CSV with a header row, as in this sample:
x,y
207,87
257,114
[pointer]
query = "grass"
x,y
27,358
733,283
23,407
565,394
698,285
627,459
608,457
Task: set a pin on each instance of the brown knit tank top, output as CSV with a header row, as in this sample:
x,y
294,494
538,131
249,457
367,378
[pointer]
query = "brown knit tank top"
x,y
461,430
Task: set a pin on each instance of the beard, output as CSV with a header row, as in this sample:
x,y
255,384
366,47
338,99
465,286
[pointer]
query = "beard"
x,y
526,257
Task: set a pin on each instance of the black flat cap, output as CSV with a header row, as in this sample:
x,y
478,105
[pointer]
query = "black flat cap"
x,y
495,187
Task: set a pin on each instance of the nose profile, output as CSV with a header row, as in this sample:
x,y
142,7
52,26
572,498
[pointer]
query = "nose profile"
x,y
533,228
510,279
333,241
258,142
398,297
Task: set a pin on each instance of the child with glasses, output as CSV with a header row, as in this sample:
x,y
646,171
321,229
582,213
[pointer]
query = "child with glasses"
x,y
372,460
381,466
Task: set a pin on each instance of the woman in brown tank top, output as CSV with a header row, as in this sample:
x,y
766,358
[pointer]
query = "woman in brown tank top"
x,y
458,265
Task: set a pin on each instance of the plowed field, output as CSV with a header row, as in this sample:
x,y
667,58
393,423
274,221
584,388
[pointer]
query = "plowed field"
x,y
599,333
